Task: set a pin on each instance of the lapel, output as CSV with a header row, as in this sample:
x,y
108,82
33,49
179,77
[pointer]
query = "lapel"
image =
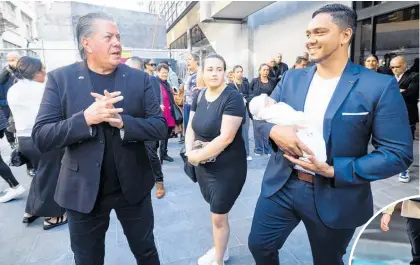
x,y
302,89
121,83
84,85
344,86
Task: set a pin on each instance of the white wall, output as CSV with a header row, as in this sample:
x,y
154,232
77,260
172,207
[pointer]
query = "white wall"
x,y
230,41
285,36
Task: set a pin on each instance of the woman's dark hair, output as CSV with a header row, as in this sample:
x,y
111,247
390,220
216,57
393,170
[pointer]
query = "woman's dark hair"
x,y
373,55
261,66
162,65
27,67
146,62
217,56
237,67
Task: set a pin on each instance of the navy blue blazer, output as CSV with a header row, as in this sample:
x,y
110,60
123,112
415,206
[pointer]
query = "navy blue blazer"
x,y
379,112
61,124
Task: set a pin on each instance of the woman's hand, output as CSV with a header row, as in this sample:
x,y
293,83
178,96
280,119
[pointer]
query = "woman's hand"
x,y
193,157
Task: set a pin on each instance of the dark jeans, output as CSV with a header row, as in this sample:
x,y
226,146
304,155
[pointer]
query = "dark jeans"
x,y
277,216
87,231
9,135
262,145
152,147
7,175
164,144
187,109
413,231
413,130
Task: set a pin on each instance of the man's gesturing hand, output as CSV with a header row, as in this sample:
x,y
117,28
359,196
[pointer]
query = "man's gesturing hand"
x,y
115,119
102,110
287,140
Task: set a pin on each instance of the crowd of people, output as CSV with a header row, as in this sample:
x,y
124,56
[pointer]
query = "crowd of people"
x,y
97,132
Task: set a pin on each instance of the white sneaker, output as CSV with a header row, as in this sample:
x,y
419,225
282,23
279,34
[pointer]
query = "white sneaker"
x,y
404,177
256,154
12,193
249,158
209,257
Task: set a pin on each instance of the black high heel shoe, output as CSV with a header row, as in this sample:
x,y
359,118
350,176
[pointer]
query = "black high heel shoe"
x,y
28,220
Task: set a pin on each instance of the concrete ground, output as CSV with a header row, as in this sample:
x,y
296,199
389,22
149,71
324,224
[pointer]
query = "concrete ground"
x,y
182,228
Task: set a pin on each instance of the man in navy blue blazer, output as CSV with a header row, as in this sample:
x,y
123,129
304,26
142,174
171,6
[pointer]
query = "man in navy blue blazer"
x,y
349,105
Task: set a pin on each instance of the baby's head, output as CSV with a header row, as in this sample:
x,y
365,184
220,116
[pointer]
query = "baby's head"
x,y
258,103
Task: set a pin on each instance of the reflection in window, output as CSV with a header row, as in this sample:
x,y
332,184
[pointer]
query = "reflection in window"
x,y
398,32
180,43
363,40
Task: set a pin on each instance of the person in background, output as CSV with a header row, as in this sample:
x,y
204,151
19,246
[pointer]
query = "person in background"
x,y
173,77
306,56
229,77
301,62
415,67
372,62
280,67
7,79
24,99
216,118
179,101
241,84
153,146
135,62
261,85
274,70
408,83
190,85
411,211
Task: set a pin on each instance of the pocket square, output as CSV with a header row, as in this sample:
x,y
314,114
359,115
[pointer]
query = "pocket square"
x,y
355,113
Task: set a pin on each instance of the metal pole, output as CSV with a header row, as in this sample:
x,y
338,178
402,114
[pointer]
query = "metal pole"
x,y
43,52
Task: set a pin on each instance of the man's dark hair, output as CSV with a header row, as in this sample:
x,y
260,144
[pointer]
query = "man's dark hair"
x,y
27,67
301,59
196,58
86,29
217,56
162,66
342,15
237,67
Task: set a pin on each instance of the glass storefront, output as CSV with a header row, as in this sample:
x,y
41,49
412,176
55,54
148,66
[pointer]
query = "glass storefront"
x,y
387,34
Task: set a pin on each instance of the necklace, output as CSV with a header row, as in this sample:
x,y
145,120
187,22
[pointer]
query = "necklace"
x,y
208,104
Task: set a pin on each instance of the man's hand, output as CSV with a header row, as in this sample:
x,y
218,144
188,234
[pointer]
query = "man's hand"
x,y
287,140
98,111
114,119
320,168
386,218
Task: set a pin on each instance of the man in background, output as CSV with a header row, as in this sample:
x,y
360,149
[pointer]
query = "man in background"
x,y
135,62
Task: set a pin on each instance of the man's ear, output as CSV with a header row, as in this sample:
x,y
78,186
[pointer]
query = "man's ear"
x,y
347,36
86,46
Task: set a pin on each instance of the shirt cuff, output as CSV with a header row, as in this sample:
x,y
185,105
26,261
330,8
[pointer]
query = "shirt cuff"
x,y
122,134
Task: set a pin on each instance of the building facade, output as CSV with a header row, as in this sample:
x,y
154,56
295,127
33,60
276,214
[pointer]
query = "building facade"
x,y
251,33
17,28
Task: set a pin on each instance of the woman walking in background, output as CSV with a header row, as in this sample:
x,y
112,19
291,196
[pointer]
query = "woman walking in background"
x,y
24,99
241,84
190,85
213,141
261,85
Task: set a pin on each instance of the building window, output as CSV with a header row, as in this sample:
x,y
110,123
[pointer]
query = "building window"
x,y
27,22
197,35
398,32
9,8
363,40
363,4
180,43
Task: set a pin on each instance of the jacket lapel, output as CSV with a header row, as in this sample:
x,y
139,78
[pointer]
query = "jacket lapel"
x,y
346,83
120,84
302,89
84,85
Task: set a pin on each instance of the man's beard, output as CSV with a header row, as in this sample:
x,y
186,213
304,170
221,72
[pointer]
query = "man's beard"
x,y
323,58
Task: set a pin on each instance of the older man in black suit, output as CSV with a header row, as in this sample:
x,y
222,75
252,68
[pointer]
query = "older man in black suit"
x,y
105,165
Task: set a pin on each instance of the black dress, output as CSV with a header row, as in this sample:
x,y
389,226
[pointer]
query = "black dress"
x,y
220,181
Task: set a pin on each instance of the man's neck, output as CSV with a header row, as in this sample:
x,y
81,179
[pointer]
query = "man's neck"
x,y
332,67
99,69
238,81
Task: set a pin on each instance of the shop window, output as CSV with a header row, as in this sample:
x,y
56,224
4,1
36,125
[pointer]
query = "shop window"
x,y
363,40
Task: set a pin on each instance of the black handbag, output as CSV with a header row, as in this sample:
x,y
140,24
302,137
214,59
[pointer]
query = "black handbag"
x,y
188,168
177,115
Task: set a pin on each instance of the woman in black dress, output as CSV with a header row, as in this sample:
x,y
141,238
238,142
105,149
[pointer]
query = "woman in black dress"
x,y
217,113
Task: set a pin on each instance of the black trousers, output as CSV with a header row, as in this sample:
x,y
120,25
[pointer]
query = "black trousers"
x,y
87,231
9,135
164,144
7,175
28,149
413,231
152,147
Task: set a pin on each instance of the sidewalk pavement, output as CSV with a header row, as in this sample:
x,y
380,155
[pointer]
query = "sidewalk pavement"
x,y
182,222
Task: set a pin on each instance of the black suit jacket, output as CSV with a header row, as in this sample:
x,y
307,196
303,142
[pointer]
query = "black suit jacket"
x,y
61,124
410,82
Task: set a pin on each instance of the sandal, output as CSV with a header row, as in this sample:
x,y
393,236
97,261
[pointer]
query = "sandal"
x,y
50,224
29,219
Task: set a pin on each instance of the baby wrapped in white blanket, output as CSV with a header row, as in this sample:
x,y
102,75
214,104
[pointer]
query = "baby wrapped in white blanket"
x,y
262,108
